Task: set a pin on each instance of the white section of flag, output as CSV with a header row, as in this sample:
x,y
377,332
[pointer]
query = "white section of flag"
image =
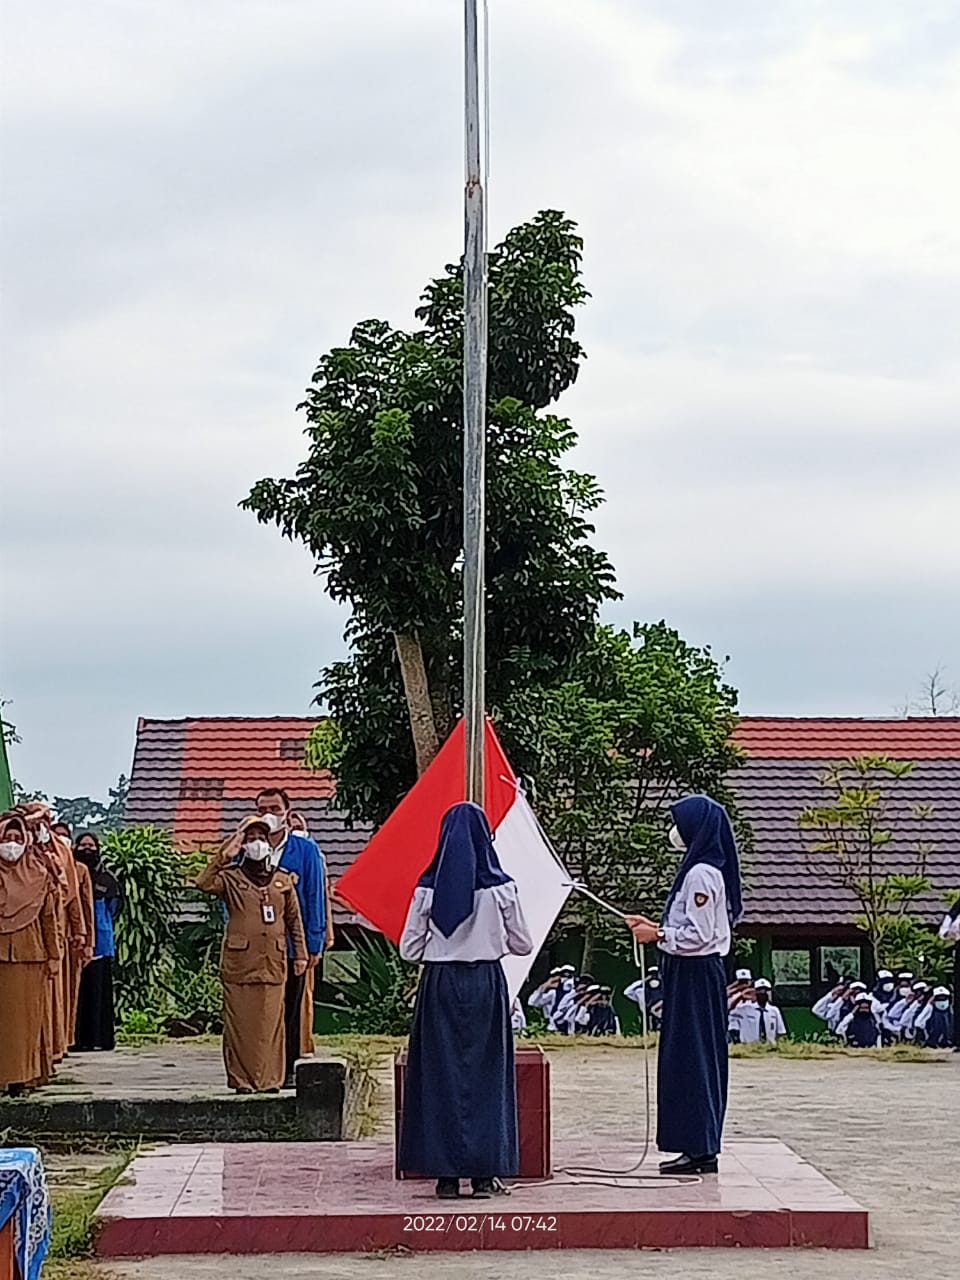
x,y
542,883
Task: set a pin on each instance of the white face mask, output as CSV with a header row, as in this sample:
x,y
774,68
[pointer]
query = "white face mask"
x,y
11,850
941,1003
273,821
676,840
43,835
257,850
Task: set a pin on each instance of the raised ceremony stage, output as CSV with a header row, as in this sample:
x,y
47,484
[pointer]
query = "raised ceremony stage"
x,y
344,1198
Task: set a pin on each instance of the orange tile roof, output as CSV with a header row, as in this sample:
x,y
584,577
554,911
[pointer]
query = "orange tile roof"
x,y
914,738
199,777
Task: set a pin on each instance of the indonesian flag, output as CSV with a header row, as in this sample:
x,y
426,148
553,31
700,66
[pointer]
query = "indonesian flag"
x,y
380,883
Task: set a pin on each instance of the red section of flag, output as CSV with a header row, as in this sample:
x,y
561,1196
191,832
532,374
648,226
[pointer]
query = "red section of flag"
x,y
380,883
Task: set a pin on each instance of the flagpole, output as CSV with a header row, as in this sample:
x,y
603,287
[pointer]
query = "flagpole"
x,y
474,416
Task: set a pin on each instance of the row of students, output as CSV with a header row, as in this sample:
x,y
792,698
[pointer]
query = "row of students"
x,y
897,1009
575,1005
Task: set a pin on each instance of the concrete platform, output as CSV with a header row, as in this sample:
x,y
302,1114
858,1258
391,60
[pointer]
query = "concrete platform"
x,y
343,1198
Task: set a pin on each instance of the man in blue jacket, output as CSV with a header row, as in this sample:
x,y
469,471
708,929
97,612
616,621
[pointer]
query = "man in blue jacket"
x,y
301,856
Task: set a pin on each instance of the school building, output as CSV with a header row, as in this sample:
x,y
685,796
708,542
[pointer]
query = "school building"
x,y
198,777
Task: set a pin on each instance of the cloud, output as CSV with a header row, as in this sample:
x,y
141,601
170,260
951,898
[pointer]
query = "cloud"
x,y
199,200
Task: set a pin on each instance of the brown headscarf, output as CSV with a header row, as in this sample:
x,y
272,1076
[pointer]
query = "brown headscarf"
x,y
24,884
56,849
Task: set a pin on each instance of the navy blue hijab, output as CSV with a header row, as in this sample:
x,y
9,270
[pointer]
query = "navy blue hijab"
x,y
465,861
706,831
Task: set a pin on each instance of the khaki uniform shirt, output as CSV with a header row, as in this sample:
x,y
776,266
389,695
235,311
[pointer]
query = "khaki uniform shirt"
x,y
261,918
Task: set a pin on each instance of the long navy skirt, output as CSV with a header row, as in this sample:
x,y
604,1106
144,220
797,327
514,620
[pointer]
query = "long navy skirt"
x,y
460,1094
693,1068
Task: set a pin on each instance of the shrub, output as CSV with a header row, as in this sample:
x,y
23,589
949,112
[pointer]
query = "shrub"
x,y
151,874
379,1001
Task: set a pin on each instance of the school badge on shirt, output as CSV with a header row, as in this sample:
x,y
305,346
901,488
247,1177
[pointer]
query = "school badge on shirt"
x,y
701,899
269,913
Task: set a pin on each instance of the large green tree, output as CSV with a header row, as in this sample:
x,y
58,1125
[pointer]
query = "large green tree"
x,y
644,718
378,502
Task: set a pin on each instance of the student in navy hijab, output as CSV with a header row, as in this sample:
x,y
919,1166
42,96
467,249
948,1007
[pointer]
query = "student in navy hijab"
x,y
459,1116
860,1029
703,905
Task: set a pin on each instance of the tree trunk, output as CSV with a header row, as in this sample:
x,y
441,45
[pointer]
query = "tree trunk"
x,y
417,693
586,959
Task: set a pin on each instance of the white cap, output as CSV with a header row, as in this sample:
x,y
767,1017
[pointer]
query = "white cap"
x,y
744,975
763,984
884,973
595,987
921,986
941,991
858,986
566,968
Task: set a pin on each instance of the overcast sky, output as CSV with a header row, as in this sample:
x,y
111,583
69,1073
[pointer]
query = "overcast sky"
x,y
198,199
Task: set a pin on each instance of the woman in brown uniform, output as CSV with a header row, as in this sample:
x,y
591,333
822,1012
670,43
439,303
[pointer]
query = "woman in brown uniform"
x,y
71,924
78,960
263,912
29,954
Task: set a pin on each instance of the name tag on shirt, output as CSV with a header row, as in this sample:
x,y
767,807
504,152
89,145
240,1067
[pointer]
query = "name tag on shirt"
x,y
269,913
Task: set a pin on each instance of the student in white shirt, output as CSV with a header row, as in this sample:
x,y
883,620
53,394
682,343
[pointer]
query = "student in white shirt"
x,y
648,995
551,993
518,1019
860,1028
933,1025
563,1015
950,932
595,1016
921,994
755,1017
702,907
836,1004
459,1115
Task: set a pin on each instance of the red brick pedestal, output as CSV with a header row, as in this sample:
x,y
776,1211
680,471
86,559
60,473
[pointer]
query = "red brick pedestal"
x,y
533,1110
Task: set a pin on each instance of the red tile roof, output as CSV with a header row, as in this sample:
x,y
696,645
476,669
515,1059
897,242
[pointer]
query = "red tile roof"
x,y
199,777
915,738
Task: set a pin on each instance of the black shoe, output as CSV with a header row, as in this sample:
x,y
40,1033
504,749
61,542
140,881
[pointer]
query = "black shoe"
x,y
448,1189
290,1082
684,1166
483,1188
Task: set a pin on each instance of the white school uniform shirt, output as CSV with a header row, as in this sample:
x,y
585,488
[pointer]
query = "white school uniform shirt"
x,y
549,998
518,1019
563,1011
908,1021
697,923
893,1016
822,1008
950,929
745,1018
495,928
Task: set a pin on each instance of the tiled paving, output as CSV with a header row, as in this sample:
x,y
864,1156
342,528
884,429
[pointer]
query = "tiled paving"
x,y
330,1198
